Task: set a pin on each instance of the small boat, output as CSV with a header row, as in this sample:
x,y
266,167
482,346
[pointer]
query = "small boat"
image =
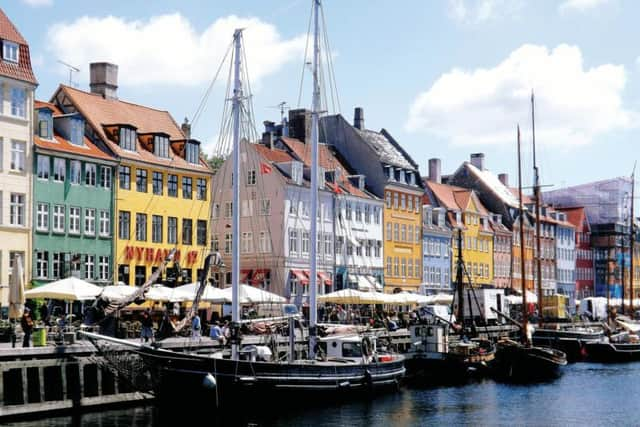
x,y
618,348
517,362
570,339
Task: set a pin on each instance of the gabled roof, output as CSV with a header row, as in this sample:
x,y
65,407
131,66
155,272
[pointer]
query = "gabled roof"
x,y
576,216
388,151
22,70
99,112
493,184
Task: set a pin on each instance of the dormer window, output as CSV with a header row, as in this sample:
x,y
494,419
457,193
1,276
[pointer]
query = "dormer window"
x,y
45,124
192,152
296,172
77,131
161,146
128,138
10,51
402,178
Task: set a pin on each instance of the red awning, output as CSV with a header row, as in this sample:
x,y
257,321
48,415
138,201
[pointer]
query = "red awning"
x,y
324,277
244,275
301,276
259,276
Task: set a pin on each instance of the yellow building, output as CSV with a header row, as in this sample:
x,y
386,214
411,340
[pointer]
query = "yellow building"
x,y
466,212
402,221
162,187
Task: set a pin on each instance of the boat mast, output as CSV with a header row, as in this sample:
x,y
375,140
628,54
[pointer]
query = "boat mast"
x,y
315,111
522,267
633,237
538,197
460,283
235,177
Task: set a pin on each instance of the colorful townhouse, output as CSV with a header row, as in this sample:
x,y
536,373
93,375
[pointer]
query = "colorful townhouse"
x,y
72,200
436,250
565,256
584,272
467,213
162,190
502,248
393,176
17,86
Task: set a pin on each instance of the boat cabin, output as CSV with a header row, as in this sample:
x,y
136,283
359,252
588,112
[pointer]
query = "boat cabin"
x,y
430,338
349,347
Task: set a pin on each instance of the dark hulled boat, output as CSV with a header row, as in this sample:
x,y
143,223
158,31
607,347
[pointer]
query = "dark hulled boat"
x,y
618,348
571,340
516,362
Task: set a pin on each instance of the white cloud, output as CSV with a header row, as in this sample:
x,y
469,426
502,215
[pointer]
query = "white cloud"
x,y
166,49
479,11
580,5
482,106
36,3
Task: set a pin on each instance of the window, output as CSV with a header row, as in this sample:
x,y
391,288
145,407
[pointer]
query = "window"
x,y
59,169
105,224
404,267
161,146
410,203
187,231
42,264
358,212
58,218
103,267
396,197
418,231
201,232
77,131
247,243
327,244
90,174
378,248
293,208
10,51
293,241
305,242
389,266
74,220
367,214
89,266
410,268
388,199
265,242
348,211
410,234
75,172
42,217
90,221
247,208
128,138
43,167
156,229
265,207
141,180
18,102
17,155
172,230
403,235
228,243
56,265
396,232
157,182
125,177
141,227
172,186
389,236
228,209
216,210
403,201
201,189
192,153
251,177
215,243
396,266
376,215
17,209
124,223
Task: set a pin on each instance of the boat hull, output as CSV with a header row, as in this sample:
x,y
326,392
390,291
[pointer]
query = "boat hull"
x,y
446,368
518,363
606,352
572,343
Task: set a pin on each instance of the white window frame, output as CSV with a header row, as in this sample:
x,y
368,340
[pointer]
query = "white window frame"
x,y
44,167
42,217
59,169
103,267
90,174
75,172
89,221
89,267
105,223
105,177
18,155
265,242
59,213
247,242
293,241
17,209
18,102
10,51
74,220
42,264
265,207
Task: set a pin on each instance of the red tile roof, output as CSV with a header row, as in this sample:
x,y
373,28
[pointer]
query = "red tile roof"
x,y
99,111
22,70
275,155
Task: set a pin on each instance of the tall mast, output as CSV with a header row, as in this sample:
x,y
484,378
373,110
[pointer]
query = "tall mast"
x,y
315,111
633,238
235,177
538,197
460,284
522,267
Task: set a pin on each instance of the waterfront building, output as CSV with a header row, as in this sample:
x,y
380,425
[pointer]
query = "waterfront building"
x,y
502,247
584,271
72,200
436,250
17,86
162,194
565,254
393,176
466,212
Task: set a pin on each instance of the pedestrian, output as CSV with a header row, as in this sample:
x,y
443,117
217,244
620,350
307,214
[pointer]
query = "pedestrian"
x,y
215,333
167,328
27,327
146,331
195,327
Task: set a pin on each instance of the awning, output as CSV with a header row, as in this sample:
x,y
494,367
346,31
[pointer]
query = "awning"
x,y
301,276
244,275
374,282
362,282
259,275
324,277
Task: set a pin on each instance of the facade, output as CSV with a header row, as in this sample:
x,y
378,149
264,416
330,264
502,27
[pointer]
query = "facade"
x,y
72,201
436,250
516,253
162,194
548,231
391,175
584,272
502,246
565,257
17,86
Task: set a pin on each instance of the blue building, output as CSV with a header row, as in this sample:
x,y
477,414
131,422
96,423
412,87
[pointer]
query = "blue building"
x,y
436,250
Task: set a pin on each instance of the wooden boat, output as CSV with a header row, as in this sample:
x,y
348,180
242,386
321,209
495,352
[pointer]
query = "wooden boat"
x,y
570,339
516,362
619,348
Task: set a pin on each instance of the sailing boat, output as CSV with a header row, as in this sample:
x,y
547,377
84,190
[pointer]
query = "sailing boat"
x,y
523,362
334,364
436,356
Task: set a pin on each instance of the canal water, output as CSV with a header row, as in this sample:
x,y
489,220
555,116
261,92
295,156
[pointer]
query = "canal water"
x,y
587,394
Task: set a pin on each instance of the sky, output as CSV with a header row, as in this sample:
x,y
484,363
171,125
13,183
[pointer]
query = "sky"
x,y
446,78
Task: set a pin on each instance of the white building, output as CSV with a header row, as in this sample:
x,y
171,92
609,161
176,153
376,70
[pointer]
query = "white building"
x,y
17,86
565,256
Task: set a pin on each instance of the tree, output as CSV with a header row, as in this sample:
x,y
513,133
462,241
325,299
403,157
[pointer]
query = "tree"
x,y
214,162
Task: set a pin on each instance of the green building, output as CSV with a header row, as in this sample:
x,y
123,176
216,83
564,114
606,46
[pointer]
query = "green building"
x,y
73,200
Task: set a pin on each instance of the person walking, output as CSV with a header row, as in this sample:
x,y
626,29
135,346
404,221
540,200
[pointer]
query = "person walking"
x,y
146,332
27,327
195,327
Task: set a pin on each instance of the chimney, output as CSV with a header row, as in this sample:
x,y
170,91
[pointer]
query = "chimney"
x,y
104,79
300,124
267,140
504,179
358,118
434,171
477,160
186,128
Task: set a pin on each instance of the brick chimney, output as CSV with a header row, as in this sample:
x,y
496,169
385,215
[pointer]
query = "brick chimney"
x,y
358,118
104,79
186,128
504,179
435,171
477,160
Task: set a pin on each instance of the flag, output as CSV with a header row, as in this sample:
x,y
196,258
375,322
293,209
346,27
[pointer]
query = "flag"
x,y
335,187
265,168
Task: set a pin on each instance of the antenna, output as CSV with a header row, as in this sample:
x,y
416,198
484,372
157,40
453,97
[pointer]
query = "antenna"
x,y
72,69
282,106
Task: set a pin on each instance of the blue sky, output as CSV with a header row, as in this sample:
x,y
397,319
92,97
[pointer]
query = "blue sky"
x,y
446,78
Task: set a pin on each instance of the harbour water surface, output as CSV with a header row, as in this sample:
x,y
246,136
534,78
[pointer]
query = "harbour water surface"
x,y
587,394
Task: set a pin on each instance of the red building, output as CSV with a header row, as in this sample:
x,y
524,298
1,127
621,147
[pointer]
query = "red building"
x,y
584,253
